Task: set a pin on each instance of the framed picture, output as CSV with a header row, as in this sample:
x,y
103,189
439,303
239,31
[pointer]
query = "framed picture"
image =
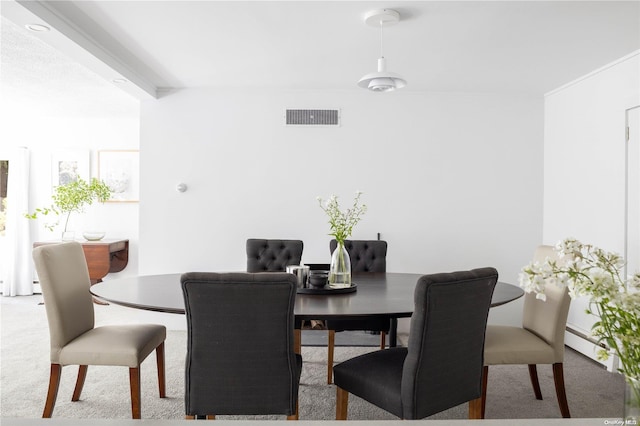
x,y
68,166
120,170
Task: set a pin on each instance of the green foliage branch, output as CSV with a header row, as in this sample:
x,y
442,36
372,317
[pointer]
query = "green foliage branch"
x,y
72,197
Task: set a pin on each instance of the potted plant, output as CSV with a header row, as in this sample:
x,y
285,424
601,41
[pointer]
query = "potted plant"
x,y
341,223
72,197
613,298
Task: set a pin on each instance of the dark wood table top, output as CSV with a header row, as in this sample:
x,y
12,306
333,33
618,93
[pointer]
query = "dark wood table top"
x,y
385,294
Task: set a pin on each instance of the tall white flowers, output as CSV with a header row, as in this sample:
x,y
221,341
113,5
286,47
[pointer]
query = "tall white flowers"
x,y
590,271
342,222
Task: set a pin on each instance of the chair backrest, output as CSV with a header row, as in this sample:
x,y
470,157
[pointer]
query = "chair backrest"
x,y
365,255
443,367
240,356
64,279
548,319
272,255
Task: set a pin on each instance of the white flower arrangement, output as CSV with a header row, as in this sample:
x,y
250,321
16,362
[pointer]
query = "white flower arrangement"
x,y
342,222
590,271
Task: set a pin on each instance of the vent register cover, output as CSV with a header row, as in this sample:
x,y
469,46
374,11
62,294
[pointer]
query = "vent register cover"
x,y
312,117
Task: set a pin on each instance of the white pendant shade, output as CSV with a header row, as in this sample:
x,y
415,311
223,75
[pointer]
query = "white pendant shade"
x,y
382,80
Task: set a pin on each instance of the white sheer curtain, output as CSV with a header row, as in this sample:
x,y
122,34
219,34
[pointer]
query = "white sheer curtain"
x,y
17,277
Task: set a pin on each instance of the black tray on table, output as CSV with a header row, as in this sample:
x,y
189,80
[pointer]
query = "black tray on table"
x,y
328,290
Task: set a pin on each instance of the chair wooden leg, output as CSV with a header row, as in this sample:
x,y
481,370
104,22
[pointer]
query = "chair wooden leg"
x,y
160,364
475,408
52,393
134,384
483,397
533,374
342,403
558,378
297,341
82,374
383,340
331,342
294,416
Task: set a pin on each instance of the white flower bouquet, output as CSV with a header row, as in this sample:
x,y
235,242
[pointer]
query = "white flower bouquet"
x,y
342,222
614,299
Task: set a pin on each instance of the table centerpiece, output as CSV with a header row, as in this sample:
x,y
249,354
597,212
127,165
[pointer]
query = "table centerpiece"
x,y
341,224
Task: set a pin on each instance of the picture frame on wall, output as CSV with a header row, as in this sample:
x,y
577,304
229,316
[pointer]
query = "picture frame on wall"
x,y
68,166
120,170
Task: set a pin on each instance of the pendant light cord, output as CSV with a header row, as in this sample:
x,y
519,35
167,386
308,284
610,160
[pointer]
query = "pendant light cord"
x,y
381,29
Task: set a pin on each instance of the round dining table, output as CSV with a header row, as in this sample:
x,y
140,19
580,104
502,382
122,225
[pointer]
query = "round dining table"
x,y
387,294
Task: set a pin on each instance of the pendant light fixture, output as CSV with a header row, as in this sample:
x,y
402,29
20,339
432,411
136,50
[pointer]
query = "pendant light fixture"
x,y
382,80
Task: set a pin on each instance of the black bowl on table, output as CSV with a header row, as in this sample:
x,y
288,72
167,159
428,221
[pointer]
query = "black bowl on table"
x,y
318,279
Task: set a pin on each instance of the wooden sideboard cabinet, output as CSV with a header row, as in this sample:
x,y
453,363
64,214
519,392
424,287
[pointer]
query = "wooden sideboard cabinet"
x,y
102,256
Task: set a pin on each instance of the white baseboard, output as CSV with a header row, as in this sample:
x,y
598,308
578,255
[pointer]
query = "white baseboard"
x,y
579,340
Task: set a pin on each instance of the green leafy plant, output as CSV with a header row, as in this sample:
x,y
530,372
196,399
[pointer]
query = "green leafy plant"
x,y
72,197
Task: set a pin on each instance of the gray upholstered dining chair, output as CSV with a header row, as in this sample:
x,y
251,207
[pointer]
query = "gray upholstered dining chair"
x,y
233,368
265,255
540,340
366,256
272,255
442,365
75,340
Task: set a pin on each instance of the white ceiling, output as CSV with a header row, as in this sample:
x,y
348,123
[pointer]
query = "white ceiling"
x,y
36,79
504,46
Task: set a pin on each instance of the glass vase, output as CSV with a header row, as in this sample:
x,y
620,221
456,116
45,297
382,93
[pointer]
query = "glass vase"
x,y
632,401
340,268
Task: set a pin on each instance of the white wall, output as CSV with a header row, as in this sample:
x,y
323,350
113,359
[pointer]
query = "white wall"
x,y
584,161
452,181
584,155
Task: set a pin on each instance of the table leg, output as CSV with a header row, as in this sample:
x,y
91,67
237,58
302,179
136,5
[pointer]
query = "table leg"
x,y
97,301
393,333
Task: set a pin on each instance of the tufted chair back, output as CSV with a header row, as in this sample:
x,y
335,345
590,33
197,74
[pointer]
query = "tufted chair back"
x,y
366,255
272,255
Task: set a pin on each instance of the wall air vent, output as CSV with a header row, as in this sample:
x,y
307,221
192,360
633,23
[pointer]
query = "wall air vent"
x,y
312,117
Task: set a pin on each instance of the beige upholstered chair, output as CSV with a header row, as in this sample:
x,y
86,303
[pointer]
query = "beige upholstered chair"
x,y
540,340
64,278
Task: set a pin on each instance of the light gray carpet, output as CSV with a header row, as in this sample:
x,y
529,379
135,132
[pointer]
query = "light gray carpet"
x,y
343,338
24,365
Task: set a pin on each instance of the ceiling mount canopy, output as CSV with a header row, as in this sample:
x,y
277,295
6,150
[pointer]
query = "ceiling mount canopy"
x,y
382,80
